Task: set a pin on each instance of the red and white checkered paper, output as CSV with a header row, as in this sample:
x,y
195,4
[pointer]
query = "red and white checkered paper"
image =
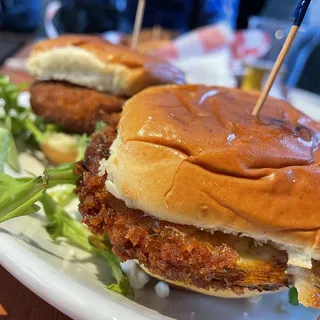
x,y
246,45
197,42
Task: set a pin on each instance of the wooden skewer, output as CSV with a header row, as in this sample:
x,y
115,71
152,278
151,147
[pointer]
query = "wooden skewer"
x,y
137,23
275,70
298,17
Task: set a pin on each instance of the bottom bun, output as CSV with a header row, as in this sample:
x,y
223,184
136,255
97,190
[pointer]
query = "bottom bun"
x,y
211,292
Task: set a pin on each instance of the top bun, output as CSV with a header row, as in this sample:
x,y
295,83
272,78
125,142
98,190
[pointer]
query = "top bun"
x,y
153,34
195,155
152,45
93,62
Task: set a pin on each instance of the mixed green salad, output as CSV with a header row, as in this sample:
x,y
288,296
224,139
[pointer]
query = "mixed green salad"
x,y
24,196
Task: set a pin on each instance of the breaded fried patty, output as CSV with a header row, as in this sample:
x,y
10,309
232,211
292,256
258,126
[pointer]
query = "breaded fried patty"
x,y
74,108
175,252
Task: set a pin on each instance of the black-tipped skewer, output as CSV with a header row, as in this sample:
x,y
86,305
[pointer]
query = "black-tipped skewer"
x,y
298,16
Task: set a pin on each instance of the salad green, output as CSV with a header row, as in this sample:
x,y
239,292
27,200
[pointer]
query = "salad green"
x,y
17,122
293,296
18,197
23,196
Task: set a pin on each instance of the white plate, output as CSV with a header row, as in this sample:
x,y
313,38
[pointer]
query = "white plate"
x,y
210,69
306,102
73,282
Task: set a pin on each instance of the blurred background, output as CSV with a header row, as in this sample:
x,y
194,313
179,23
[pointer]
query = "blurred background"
x,y
252,33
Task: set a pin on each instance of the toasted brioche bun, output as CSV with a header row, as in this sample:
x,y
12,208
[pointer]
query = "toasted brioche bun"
x,y
228,293
93,62
195,155
149,46
155,33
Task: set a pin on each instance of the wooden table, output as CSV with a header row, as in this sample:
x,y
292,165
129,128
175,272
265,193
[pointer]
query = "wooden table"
x,y
22,304
15,299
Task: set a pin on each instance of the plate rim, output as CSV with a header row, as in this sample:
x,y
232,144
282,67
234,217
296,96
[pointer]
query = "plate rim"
x,y
34,271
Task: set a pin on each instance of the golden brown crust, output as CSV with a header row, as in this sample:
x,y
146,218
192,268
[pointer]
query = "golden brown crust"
x,y
227,293
74,108
307,283
129,231
175,252
203,160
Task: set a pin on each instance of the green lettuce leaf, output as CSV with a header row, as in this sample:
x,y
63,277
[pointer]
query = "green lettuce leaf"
x,y
12,156
18,198
82,146
4,147
100,125
62,174
293,296
61,225
63,194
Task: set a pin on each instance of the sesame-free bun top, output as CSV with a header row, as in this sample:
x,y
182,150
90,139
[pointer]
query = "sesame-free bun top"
x,y
93,62
195,155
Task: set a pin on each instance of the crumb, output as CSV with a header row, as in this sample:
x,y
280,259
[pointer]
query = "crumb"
x,y
255,299
102,167
138,279
129,266
162,289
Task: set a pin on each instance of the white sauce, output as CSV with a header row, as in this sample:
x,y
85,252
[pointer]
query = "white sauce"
x,y
162,289
137,277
